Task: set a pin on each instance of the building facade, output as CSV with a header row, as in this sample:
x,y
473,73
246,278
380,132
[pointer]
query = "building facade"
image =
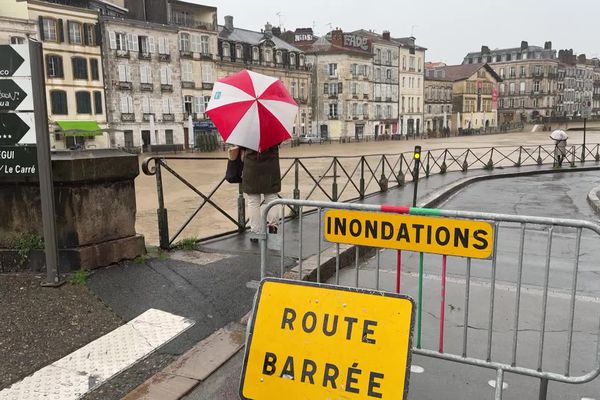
x,y
473,99
576,87
143,80
411,86
71,38
341,87
265,53
384,97
529,91
438,101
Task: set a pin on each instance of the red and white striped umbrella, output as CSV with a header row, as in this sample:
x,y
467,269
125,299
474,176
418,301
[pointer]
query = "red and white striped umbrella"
x,y
252,110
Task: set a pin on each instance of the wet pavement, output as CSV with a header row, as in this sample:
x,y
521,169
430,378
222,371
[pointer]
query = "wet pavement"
x,y
560,195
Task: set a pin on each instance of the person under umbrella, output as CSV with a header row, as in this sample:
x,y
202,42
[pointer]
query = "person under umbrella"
x,y
256,113
560,147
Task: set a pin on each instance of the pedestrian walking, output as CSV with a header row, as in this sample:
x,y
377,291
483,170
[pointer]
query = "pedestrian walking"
x,y
560,151
261,182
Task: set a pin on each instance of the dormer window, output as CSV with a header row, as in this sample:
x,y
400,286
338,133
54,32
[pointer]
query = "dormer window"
x,y
238,51
268,55
226,50
279,57
292,58
255,54
301,60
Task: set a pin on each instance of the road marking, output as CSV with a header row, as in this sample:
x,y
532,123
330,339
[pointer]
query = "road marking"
x,y
533,290
87,368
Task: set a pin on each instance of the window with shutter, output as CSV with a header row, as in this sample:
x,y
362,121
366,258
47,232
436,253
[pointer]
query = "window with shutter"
x,y
60,31
187,72
58,102
48,29
80,70
94,69
204,43
84,103
325,88
146,105
75,32
54,66
151,45
340,87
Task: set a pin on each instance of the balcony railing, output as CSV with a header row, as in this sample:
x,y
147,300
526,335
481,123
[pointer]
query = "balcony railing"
x,y
168,117
192,22
144,56
128,117
207,85
186,54
166,88
164,57
188,85
333,116
146,117
122,53
146,87
125,85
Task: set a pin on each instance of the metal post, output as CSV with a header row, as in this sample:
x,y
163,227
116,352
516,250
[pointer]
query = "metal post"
x,y
163,220
296,183
334,186
44,164
241,210
584,134
362,178
543,389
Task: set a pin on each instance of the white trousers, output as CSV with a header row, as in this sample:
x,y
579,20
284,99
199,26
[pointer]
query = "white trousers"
x,y
254,210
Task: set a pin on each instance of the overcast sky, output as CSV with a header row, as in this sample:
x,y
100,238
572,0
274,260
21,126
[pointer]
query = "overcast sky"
x,y
448,28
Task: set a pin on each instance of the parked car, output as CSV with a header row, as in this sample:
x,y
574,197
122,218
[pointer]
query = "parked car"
x,y
310,139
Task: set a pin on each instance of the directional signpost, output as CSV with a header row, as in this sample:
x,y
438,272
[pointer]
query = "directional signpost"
x,y
24,135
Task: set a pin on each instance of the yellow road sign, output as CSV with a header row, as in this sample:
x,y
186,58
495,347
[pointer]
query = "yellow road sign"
x,y
453,237
310,341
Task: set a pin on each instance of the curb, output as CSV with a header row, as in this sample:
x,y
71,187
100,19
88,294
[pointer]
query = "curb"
x,y
593,199
194,366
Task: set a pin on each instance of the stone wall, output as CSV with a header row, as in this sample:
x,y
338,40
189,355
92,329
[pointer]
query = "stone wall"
x,y
95,209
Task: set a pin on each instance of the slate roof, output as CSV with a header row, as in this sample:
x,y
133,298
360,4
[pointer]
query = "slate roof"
x,y
324,46
254,38
510,50
463,71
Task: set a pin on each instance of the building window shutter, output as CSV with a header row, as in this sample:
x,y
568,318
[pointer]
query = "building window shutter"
x,y
325,88
41,23
86,35
135,43
340,87
98,35
61,31
113,40
151,46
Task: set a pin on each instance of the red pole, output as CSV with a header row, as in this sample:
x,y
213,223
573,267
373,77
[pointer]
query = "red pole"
x,y
443,305
398,269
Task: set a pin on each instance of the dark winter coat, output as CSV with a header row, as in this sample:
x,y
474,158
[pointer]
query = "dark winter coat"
x,y
261,174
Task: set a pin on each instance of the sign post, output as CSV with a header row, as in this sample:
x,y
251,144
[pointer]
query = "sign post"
x,y
587,111
24,135
44,164
314,341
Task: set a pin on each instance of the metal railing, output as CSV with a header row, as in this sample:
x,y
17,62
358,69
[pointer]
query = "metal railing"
x,y
331,178
503,329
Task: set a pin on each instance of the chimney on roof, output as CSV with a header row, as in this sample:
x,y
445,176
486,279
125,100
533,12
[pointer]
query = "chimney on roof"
x,y
386,35
337,37
548,46
229,23
412,40
524,45
268,30
485,50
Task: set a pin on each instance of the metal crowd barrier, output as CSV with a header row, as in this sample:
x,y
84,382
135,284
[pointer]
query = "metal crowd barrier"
x,y
570,233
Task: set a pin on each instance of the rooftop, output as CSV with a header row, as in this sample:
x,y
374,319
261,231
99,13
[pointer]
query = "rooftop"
x,y
461,72
253,38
